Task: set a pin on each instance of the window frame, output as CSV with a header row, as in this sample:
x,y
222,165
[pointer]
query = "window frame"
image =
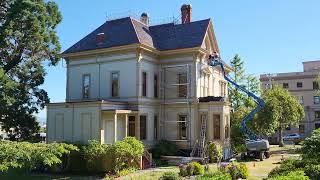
x,y
285,85
182,89
83,86
316,114
118,88
155,127
315,85
301,130
156,86
144,87
298,83
144,130
316,99
180,127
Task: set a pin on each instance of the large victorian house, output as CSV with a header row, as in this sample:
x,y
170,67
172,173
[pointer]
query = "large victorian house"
x,y
130,78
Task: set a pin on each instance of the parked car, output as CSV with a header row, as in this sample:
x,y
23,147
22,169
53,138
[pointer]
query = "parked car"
x,y
295,137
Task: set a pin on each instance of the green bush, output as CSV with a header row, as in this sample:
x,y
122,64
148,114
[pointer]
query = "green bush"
x,y
286,167
127,153
98,157
214,175
164,148
183,170
197,168
33,156
170,176
236,170
214,151
125,172
294,175
311,146
313,171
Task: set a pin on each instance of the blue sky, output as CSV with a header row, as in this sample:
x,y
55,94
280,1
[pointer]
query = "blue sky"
x,y
270,36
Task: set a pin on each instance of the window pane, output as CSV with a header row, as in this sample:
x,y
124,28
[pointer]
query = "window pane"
x,y
182,127
144,84
115,84
285,85
155,86
315,85
182,89
86,86
143,127
299,84
317,114
301,128
316,99
155,124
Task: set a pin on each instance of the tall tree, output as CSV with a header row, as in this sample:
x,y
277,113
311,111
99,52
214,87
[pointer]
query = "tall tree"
x,y
281,110
237,97
28,40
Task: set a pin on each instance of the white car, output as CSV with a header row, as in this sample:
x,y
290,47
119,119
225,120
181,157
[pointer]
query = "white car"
x,y
295,137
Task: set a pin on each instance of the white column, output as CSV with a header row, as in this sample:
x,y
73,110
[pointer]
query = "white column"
x,y
126,126
115,127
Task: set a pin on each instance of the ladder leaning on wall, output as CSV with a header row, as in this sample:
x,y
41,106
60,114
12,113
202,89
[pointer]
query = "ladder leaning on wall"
x,y
198,148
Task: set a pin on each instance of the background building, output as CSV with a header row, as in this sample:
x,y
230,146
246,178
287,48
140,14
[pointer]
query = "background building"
x,y
304,87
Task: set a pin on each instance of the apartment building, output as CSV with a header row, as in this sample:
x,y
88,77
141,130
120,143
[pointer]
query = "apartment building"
x,y
130,78
304,87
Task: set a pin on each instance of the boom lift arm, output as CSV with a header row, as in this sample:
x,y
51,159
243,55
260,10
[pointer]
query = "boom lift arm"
x,y
215,60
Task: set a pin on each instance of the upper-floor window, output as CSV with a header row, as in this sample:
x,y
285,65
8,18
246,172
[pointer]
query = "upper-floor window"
x,y
315,85
155,88
182,85
86,86
317,114
115,84
316,99
299,85
144,83
285,85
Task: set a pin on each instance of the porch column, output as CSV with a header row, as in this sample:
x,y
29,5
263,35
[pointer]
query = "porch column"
x,y
126,126
115,127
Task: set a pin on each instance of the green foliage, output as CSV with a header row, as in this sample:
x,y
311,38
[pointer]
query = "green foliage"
x,y
293,175
311,145
281,110
197,168
128,153
30,156
236,170
214,175
98,157
164,148
286,167
170,176
237,137
183,170
27,40
125,172
313,170
214,151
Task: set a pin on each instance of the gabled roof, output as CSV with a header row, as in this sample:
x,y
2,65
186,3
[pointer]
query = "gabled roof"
x,y
128,31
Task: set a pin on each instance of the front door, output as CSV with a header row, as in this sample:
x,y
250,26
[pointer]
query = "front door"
x,y
132,126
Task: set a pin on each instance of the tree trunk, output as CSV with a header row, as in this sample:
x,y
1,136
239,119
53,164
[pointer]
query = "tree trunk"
x,y
280,137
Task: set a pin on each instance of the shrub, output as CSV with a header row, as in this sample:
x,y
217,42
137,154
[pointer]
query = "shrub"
x,y
214,151
98,157
313,171
32,156
294,175
286,167
310,147
128,153
183,170
164,148
236,170
197,168
125,172
215,175
170,176
190,169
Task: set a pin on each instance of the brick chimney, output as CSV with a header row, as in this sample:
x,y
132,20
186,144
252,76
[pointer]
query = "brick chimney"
x,y
186,11
144,18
